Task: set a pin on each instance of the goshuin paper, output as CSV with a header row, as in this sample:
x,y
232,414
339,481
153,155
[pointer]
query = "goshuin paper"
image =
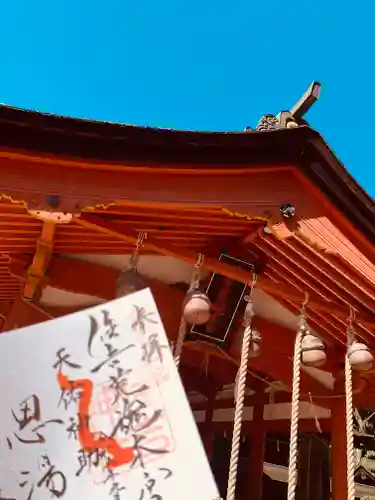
x,y
92,407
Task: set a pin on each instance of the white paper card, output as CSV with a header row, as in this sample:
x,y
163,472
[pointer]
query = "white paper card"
x,y
92,407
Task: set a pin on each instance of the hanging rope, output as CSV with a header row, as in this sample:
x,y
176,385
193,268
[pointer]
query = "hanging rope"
x,y
134,258
194,284
350,456
240,397
180,342
293,441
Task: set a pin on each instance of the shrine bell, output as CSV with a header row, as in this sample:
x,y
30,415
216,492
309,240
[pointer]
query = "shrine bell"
x,y
360,357
313,354
128,282
196,308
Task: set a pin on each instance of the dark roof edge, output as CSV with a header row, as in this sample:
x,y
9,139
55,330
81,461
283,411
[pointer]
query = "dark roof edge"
x,y
105,141
327,172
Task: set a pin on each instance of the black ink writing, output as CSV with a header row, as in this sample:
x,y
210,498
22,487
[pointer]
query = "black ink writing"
x,y
63,358
110,329
29,417
91,459
148,490
116,487
152,348
51,479
133,418
106,338
140,449
142,318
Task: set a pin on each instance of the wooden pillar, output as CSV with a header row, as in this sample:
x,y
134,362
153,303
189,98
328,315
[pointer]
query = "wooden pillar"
x,y
258,443
338,450
313,469
208,426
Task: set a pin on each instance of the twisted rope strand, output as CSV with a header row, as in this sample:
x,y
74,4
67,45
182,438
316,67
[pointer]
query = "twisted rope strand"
x,y
350,457
180,342
232,478
293,446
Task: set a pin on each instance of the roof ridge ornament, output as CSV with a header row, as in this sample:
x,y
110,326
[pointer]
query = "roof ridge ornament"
x,y
292,118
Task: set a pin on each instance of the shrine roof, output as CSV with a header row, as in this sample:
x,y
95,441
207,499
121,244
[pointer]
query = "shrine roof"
x,y
190,192
47,134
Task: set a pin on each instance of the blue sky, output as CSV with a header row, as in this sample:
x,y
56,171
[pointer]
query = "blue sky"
x,y
197,64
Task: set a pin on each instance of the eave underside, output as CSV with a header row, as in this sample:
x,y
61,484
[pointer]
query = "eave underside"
x,y
316,258
48,139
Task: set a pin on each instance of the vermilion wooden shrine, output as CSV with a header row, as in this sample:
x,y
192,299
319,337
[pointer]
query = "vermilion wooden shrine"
x,y
272,203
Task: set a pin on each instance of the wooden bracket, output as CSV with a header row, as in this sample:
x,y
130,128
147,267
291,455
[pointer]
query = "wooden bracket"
x,y
39,265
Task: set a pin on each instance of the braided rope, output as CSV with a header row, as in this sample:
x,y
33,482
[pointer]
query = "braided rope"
x,y
350,456
240,397
180,342
293,446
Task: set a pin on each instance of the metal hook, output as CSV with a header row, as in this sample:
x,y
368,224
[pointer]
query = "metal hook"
x,y
350,329
351,316
304,304
200,259
139,243
195,278
252,285
142,236
303,323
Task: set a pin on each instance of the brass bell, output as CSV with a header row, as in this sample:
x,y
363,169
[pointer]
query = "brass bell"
x,y
196,308
128,282
360,357
313,354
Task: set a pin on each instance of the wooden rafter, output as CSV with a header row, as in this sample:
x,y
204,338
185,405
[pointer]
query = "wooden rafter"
x,y
277,289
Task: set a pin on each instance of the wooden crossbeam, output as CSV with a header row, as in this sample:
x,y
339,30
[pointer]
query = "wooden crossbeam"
x,y
277,289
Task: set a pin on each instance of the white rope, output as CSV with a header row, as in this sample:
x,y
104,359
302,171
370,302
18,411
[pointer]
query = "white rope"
x,y
180,342
293,442
240,398
350,457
